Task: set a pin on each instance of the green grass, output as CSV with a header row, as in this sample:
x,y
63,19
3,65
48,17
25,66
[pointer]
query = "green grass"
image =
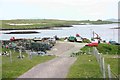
x,y
109,59
0,63
83,68
108,48
109,52
45,23
104,49
0,67
86,49
18,66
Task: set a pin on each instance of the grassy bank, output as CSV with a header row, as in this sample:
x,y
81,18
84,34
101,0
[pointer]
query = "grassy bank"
x,y
105,49
87,66
44,23
109,49
18,66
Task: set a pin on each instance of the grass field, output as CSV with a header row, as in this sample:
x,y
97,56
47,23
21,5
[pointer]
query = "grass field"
x,y
18,66
87,66
0,63
44,23
0,67
114,62
83,68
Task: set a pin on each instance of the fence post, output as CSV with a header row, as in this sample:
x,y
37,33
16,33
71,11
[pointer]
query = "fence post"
x,y
97,55
20,51
30,55
109,72
14,50
10,56
100,62
93,51
103,65
89,51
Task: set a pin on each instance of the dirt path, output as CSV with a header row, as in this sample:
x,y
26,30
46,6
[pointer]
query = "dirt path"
x,y
58,67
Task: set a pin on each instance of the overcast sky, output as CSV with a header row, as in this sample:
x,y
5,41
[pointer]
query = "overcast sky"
x,y
59,9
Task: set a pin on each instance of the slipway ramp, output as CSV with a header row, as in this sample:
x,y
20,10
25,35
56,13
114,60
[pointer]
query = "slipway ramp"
x,y
57,67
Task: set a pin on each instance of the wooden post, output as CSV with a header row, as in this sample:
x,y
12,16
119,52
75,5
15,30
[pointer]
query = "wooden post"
x,y
30,55
100,63
27,53
10,56
20,54
109,72
93,51
104,76
99,57
14,49
89,51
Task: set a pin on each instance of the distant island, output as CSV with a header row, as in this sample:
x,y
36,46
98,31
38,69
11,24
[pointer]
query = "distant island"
x,y
25,24
116,28
22,32
113,20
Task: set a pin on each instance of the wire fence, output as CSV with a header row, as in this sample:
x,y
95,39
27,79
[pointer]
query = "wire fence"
x,y
13,57
105,68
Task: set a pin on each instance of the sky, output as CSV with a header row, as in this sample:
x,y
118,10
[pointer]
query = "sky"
x,y
59,9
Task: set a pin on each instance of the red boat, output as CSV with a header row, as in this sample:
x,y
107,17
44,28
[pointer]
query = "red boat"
x,y
92,44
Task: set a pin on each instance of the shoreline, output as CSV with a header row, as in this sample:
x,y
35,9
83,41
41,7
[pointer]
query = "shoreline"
x,y
6,29
116,28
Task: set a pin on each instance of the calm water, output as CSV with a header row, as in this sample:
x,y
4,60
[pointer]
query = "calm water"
x,y
85,31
